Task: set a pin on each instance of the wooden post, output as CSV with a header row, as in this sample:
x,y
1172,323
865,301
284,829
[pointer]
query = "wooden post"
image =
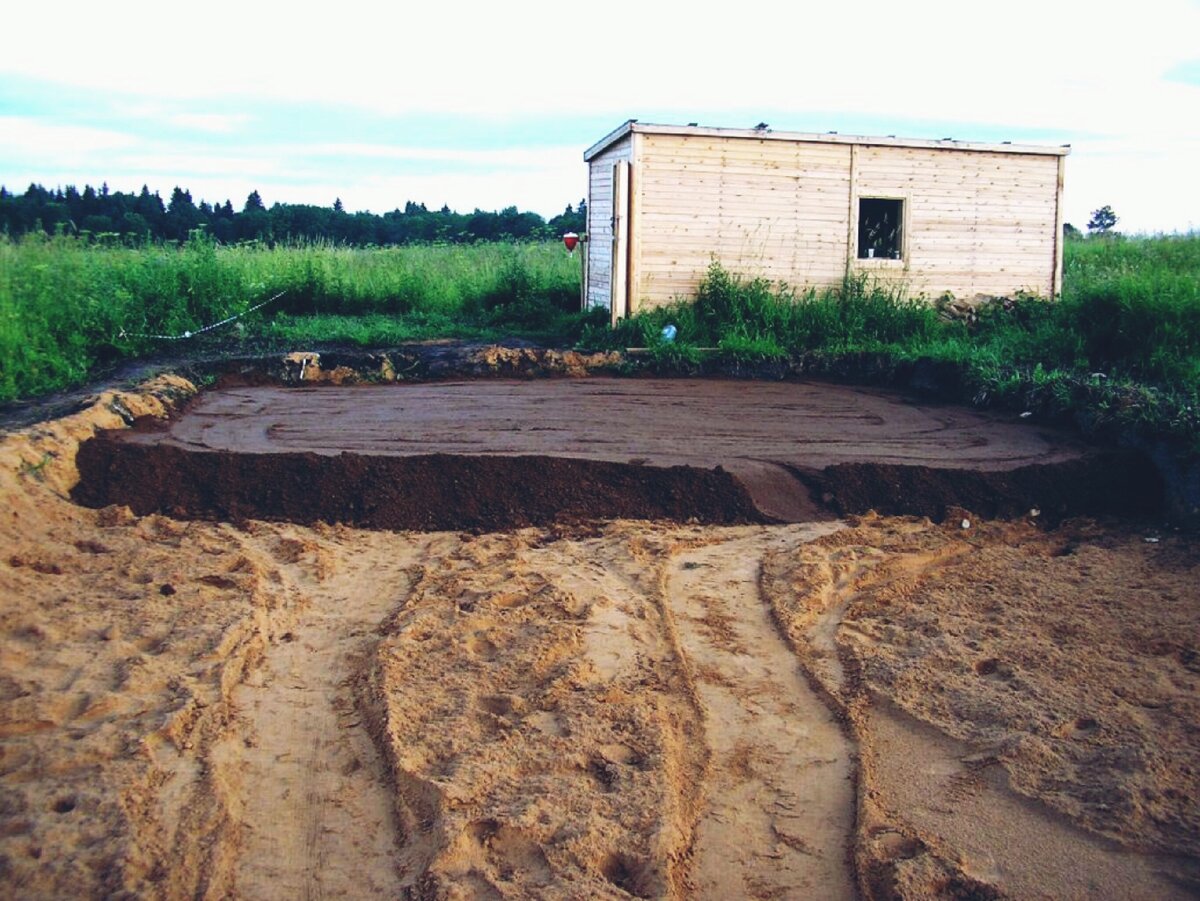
x,y
619,272
1057,274
634,206
852,228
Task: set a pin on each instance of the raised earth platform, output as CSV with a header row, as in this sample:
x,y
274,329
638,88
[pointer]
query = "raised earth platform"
x,y
503,453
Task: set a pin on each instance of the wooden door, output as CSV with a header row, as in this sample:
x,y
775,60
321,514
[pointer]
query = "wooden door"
x,y
619,273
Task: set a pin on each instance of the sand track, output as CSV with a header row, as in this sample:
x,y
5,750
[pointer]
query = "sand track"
x,y
778,813
316,804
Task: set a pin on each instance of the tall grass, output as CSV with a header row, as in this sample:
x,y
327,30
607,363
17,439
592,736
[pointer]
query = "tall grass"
x,y
68,307
772,319
1135,304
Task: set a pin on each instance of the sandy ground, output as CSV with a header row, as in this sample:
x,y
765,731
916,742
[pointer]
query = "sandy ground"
x,y
880,707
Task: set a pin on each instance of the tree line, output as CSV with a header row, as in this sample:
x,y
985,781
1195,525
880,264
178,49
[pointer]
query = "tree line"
x,y
102,213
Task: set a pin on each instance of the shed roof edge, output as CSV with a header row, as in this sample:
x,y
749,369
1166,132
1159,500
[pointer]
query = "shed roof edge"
x,y
609,139
632,125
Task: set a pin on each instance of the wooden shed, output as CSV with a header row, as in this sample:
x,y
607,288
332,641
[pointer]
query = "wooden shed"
x,y
939,217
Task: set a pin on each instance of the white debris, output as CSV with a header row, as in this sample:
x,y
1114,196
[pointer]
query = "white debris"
x,y
1035,512
1026,414
966,523
1151,540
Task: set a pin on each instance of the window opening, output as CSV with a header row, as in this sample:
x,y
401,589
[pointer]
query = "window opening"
x,y
880,226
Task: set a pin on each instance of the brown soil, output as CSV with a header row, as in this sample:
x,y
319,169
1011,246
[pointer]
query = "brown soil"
x,y
882,706
435,491
475,455
1121,483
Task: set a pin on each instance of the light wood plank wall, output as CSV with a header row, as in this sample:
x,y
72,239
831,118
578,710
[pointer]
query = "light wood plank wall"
x,y
978,223
772,208
599,224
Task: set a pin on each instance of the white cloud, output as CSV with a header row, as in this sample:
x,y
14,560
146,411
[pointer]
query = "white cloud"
x,y
509,157
1139,180
29,137
213,123
1025,61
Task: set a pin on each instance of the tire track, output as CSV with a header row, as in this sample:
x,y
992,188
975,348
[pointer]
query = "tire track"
x,y
778,813
315,802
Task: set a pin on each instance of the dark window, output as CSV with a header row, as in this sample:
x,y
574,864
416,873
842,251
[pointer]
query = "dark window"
x,y
880,224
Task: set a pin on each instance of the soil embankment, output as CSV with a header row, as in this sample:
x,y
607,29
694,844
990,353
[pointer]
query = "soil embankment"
x,y
427,491
504,454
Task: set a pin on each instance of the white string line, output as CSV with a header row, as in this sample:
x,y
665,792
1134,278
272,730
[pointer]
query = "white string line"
x,y
207,328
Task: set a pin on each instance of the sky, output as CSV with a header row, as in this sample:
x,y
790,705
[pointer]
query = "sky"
x,y
488,105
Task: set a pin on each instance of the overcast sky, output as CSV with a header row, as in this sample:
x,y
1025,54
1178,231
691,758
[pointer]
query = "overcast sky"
x,y
492,104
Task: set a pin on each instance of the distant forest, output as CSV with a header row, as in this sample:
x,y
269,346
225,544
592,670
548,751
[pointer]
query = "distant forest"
x,y
138,217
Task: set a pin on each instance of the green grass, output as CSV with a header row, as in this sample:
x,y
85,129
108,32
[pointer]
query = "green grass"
x,y
69,307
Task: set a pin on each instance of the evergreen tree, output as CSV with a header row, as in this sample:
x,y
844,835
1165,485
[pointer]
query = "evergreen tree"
x,y
254,204
144,216
182,215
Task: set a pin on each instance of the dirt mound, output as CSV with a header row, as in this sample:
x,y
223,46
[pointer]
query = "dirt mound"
x,y
428,492
1021,700
500,454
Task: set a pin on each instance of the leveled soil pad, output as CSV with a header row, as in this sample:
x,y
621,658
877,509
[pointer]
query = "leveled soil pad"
x,y
503,454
